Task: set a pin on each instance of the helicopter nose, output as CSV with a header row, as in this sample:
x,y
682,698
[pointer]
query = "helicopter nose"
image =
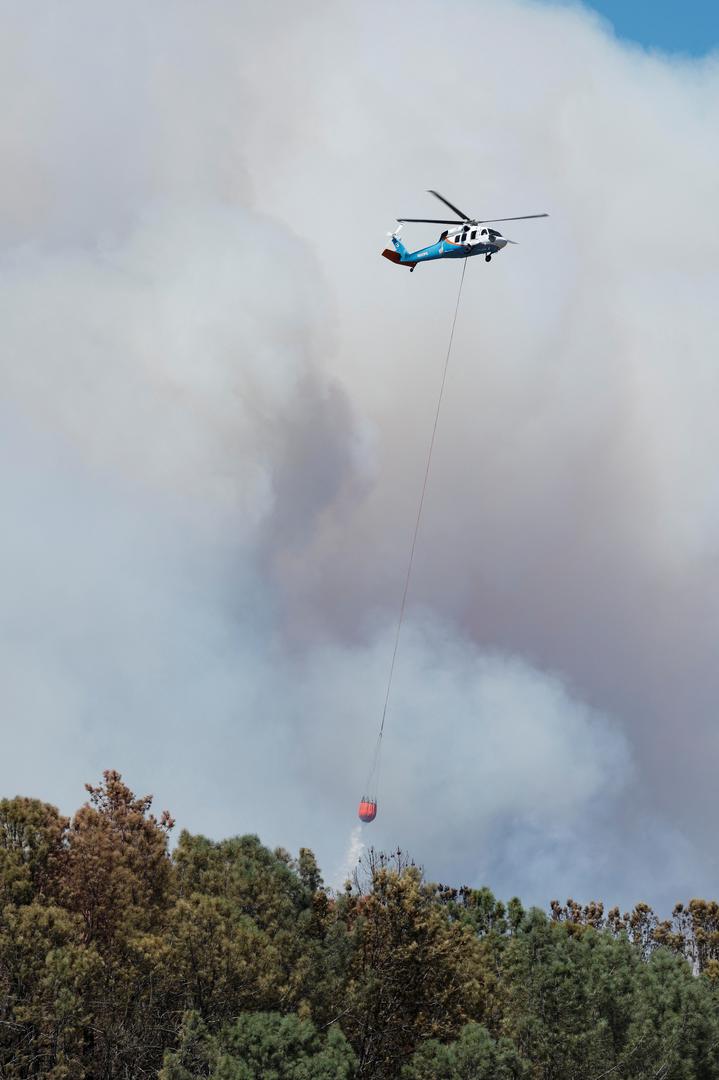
x,y
500,242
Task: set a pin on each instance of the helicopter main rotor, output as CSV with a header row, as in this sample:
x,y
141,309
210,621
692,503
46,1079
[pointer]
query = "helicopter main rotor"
x,y
463,218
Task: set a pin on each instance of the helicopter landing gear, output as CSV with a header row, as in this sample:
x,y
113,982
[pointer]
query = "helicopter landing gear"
x,y
487,258
411,269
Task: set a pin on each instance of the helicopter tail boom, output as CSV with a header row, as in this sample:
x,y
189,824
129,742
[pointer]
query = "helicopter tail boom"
x,y
395,257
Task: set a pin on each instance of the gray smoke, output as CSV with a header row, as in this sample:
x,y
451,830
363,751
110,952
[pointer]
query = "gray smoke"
x,y
216,403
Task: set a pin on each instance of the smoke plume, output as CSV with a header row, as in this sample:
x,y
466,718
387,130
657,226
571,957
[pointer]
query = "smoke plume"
x,y
216,403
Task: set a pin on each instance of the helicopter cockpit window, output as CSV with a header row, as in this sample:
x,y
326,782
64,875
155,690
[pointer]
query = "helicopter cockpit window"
x,y
484,232
474,234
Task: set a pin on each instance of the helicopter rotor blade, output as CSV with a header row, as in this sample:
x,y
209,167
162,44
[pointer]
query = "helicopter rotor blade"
x,y
431,221
459,213
522,217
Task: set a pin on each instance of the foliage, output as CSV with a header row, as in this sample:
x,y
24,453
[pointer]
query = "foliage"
x,y
120,959
475,1055
259,1046
410,976
32,849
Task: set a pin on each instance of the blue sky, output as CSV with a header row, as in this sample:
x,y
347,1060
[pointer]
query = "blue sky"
x,y
691,26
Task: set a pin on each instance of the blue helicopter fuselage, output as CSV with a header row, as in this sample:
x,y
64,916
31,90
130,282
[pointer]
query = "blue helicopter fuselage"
x,y
456,246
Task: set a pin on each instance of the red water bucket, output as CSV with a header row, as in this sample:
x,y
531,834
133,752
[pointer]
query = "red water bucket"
x,y
367,809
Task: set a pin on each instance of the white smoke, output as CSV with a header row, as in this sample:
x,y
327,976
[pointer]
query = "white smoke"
x,y
216,405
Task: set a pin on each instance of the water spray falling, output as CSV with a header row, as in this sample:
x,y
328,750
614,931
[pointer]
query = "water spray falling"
x,y
353,854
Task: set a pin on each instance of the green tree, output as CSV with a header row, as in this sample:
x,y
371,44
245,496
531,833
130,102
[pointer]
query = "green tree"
x,y
270,912
219,962
257,882
259,1046
411,974
674,1022
568,994
475,1055
47,979
33,850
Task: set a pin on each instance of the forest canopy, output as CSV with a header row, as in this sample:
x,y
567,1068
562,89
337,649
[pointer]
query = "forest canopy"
x,y
124,957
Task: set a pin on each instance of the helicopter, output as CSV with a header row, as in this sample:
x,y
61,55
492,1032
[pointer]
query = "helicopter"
x,y
468,238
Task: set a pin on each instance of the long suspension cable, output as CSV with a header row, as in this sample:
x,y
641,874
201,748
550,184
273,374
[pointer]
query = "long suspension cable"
x,y
419,517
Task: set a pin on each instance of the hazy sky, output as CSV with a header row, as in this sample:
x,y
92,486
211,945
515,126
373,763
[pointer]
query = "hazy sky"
x,y
216,402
